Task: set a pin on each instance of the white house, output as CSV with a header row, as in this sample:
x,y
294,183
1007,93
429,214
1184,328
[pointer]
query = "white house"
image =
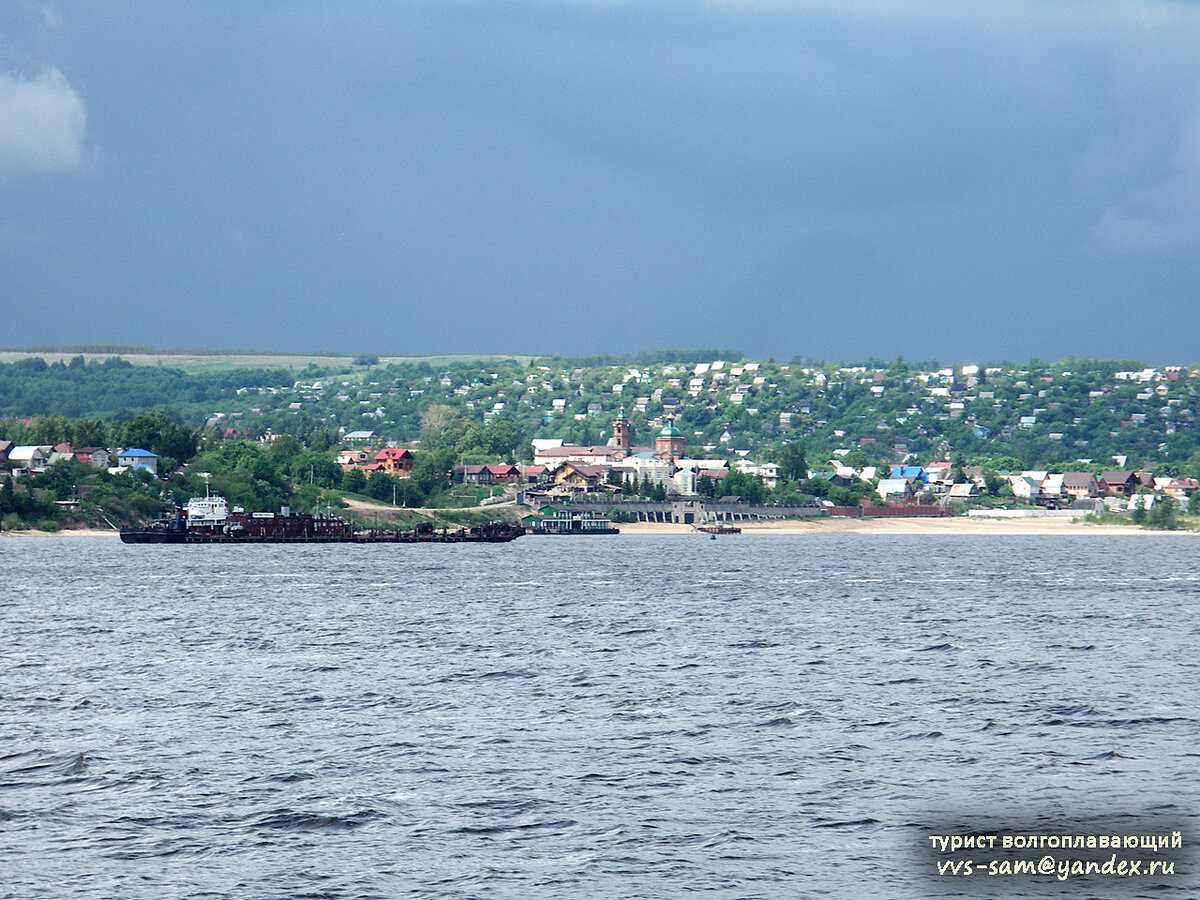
x,y
29,458
637,469
768,472
1025,488
1052,487
588,456
900,490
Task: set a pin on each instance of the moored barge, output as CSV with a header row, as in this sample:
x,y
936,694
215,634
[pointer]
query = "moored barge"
x,y
207,520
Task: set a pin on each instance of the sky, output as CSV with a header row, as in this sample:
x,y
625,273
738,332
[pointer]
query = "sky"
x,y
967,182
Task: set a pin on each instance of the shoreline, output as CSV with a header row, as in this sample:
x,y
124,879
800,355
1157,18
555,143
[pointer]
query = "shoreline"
x,y
915,526
932,526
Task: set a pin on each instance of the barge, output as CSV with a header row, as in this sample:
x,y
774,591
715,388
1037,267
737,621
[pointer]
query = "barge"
x,y
207,520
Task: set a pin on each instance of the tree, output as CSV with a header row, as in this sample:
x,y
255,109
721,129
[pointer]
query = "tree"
x,y
856,459
616,514
1139,511
284,447
89,433
793,464
1163,515
158,433
957,475
434,422
993,483
431,471
354,481
8,497
315,468
502,438
749,487
379,486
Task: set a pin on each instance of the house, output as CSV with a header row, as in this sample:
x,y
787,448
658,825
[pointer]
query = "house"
x,y
638,469
839,478
579,477
1141,501
913,472
701,466
961,493
93,456
395,461
1178,488
471,475
502,473
5,447
353,459
1122,483
29,458
714,475
359,437
898,490
1080,485
62,451
768,472
590,456
1026,488
1052,487
939,472
533,474
975,474
137,458
553,520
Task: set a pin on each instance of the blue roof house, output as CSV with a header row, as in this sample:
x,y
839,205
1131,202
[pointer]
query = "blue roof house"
x,y
910,472
137,458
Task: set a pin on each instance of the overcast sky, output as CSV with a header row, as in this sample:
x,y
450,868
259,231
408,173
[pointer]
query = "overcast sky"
x,y
972,181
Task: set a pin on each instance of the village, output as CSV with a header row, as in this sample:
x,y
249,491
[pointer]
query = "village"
x,y
669,442
601,477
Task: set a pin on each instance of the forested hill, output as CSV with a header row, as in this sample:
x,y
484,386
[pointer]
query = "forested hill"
x,y
112,387
1038,414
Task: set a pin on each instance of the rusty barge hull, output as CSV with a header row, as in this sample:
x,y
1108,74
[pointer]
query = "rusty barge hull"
x,y
483,535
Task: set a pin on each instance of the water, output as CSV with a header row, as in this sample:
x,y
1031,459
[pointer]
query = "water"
x,y
783,716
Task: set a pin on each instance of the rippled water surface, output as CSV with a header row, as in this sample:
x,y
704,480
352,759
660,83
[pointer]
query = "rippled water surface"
x,y
781,716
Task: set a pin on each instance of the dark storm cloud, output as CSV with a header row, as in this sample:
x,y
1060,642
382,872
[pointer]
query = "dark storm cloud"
x,y
835,180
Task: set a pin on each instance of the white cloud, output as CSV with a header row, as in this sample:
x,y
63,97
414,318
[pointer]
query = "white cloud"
x,y
42,124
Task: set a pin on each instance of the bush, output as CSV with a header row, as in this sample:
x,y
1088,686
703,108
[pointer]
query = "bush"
x,y
12,522
47,525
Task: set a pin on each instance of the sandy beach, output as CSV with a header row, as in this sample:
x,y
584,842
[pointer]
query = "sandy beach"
x,y
931,526
66,532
